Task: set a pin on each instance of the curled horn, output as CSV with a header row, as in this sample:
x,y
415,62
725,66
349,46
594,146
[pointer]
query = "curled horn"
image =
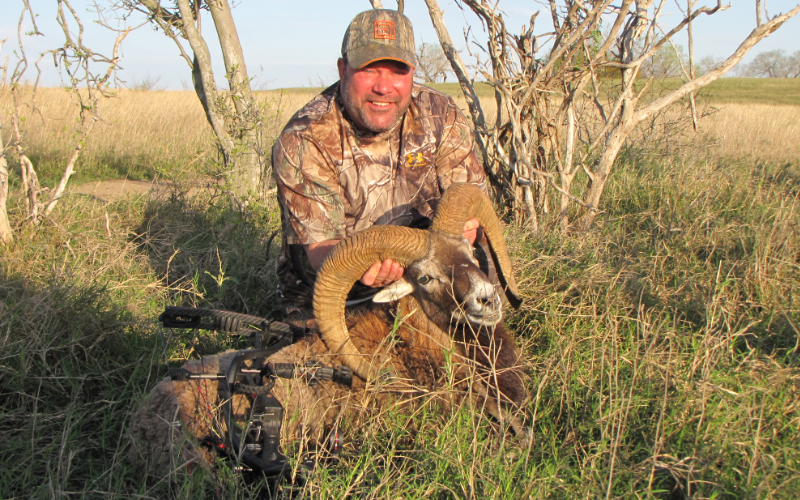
x,y
346,263
462,202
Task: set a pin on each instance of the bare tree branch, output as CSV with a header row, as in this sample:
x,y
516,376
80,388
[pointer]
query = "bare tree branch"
x,y
168,22
6,234
755,36
76,62
101,82
550,122
203,75
4,74
619,134
759,21
473,103
691,75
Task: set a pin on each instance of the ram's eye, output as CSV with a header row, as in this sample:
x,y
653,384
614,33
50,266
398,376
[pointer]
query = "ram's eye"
x,y
424,280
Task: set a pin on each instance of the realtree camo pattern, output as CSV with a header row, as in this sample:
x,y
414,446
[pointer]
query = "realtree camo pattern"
x,y
378,34
334,180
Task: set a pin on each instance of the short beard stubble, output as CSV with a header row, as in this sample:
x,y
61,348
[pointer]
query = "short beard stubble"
x,y
360,116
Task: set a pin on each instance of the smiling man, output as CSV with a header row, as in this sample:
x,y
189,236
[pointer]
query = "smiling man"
x,y
374,148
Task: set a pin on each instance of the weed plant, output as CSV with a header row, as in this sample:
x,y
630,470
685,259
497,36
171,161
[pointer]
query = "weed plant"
x,y
662,346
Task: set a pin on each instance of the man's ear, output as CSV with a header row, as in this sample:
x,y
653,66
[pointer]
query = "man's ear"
x,y
395,291
341,64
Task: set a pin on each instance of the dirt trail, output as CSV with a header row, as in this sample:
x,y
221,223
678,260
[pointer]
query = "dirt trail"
x,y
108,191
111,190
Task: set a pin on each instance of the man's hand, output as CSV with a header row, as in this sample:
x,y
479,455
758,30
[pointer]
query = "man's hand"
x,y
470,232
383,273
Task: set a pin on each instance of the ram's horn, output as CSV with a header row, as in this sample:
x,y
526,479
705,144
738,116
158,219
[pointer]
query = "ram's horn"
x,y
345,265
462,202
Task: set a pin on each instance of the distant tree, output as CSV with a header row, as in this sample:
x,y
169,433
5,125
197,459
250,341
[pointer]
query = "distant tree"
x,y
775,64
707,63
739,71
794,65
432,64
666,62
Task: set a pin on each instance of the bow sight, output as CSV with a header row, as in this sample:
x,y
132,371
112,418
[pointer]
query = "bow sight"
x,y
253,445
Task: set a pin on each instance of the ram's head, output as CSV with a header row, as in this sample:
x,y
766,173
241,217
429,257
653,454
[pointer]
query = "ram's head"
x,y
440,270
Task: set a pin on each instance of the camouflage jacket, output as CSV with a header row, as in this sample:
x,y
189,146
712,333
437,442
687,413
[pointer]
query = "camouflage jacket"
x,y
334,180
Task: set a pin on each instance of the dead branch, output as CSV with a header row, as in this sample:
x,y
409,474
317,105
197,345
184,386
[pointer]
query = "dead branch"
x,y
70,168
547,121
755,36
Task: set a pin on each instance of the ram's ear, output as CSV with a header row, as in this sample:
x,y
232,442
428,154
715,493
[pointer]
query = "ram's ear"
x,y
395,291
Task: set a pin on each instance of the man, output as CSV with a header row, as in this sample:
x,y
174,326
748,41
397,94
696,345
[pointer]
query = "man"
x,y
374,148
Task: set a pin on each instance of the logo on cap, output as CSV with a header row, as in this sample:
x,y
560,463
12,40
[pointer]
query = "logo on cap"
x,y
384,30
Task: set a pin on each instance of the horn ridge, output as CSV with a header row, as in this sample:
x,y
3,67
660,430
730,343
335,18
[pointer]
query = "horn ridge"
x,y
346,263
462,202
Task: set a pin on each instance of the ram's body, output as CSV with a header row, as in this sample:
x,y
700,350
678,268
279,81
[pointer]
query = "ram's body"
x,y
445,308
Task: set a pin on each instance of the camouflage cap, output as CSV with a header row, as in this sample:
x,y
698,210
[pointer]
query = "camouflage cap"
x,y
379,34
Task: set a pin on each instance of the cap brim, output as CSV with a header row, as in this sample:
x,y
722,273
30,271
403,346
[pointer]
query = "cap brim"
x,y
360,57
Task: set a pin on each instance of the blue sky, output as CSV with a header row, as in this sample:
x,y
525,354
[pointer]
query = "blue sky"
x,y
296,43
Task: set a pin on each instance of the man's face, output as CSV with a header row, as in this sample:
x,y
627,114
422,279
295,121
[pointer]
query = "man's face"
x,y
376,96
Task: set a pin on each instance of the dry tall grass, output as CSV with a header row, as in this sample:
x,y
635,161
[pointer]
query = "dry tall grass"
x,y
762,132
136,139
146,134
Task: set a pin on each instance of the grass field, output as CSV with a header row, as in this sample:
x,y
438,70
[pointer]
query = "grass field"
x,y
780,91
136,143
662,345
723,91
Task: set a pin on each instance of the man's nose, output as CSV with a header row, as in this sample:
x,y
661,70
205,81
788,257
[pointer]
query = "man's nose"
x,y
383,84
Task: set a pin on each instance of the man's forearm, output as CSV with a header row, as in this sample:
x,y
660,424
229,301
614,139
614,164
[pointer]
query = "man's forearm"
x,y
318,251
378,275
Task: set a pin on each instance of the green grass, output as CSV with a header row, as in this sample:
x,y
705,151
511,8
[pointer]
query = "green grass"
x,y
672,334
78,301
661,346
755,91
777,91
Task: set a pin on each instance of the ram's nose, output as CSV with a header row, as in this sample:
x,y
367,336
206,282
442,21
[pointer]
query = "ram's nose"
x,y
484,300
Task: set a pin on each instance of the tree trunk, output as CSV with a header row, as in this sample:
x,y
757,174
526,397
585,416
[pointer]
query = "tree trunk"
x,y
247,168
6,236
203,76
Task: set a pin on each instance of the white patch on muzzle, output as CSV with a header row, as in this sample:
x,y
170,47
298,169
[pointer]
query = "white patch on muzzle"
x,y
482,306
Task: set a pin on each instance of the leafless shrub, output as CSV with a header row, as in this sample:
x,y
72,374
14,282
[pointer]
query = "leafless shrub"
x,y
146,83
432,64
539,143
87,86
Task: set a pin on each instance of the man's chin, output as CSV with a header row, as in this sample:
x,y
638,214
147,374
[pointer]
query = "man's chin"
x,y
379,124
